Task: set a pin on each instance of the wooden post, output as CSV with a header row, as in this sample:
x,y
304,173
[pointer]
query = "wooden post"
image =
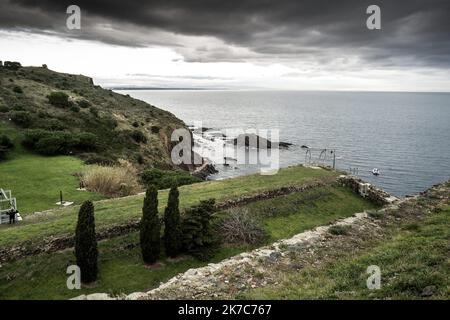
x,y
60,197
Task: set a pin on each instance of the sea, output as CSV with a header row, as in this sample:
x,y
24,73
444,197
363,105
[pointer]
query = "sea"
x,y
406,136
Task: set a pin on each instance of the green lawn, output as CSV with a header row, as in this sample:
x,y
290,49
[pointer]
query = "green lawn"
x,y
121,267
113,211
36,180
414,257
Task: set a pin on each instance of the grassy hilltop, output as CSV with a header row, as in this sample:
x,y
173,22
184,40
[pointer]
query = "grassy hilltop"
x,y
55,124
74,116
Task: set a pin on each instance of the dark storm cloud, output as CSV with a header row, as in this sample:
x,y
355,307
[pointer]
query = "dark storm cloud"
x,y
413,32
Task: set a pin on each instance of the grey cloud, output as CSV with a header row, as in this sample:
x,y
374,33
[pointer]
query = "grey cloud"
x,y
413,32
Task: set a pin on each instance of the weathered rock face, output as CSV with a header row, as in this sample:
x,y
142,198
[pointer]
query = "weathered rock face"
x,y
204,171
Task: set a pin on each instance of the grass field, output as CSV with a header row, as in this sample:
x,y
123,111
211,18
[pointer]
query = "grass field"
x,y
120,264
415,256
113,211
37,180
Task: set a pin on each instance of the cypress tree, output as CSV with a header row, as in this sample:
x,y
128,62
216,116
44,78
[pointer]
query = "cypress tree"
x,y
86,243
150,231
172,233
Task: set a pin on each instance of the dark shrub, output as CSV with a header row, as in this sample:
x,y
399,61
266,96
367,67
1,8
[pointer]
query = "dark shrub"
x,y
135,124
150,227
94,111
75,108
110,122
12,65
339,230
32,137
58,142
22,118
240,227
6,142
93,158
59,99
86,251
86,141
138,136
84,104
197,230
172,231
5,145
17,89
53,145
51,124
164,179
155,129
4,109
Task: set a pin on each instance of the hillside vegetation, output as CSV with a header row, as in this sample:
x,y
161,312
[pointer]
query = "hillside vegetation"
x,y
65,114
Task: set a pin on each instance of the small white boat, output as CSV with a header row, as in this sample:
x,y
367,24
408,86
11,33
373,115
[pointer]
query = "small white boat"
x,y
375,172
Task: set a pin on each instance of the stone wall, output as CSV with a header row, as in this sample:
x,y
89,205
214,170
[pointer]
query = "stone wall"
x,y
366,190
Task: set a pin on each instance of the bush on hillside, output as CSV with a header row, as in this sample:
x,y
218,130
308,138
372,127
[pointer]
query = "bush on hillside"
x,y
17,89
239,227
59,99
86,251
23,119
155,129
4,109
94,158
84,104
6,144
197,230
117,181
138,136
50,124
150,227
94,111
75,108
164,179
12,65
59,142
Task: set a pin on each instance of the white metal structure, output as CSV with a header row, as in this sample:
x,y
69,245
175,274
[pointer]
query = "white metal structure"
x,y
7,203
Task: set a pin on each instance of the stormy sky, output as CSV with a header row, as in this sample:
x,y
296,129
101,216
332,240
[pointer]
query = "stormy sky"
x,y
278,44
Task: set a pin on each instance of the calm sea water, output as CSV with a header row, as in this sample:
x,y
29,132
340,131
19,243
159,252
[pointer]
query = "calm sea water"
x,y
405,135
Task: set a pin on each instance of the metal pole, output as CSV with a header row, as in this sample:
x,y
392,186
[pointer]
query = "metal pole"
x,y
334,159
60,197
